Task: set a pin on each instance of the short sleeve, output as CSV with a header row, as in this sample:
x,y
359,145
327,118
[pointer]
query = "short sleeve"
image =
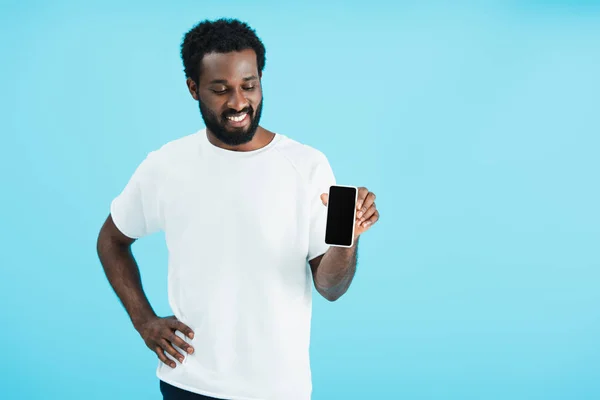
x,y
322,177
135,211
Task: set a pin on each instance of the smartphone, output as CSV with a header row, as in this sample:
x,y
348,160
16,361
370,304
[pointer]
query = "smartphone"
x,y
341,215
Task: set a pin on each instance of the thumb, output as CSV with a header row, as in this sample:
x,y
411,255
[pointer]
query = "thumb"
x,y
324,198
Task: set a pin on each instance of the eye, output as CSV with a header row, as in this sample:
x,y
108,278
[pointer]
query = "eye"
x,y
249,88
219,91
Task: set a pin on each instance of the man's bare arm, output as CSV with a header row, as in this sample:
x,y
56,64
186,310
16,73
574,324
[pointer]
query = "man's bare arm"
x,y
121,269
333,271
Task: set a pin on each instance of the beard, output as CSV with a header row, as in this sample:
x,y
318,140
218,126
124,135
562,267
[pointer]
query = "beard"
x,y
217,124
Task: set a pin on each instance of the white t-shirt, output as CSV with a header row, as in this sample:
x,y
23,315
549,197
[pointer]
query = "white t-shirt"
x,y
240,228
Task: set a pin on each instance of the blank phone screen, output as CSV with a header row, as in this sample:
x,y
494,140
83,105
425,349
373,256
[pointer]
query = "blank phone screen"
x,y
341,215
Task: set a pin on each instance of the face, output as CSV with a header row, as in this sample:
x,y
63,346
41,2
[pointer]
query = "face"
x,y
229,95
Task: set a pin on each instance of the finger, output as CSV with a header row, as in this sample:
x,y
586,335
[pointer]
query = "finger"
x,y
369,200
181,327
171,350
162,357
324,198
362,195
374,218
179,342
368,214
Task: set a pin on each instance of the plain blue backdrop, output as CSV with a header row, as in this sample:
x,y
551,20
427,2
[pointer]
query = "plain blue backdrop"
x,y
477,126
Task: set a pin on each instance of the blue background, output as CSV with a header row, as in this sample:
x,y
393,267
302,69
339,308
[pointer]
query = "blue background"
x,y
477,126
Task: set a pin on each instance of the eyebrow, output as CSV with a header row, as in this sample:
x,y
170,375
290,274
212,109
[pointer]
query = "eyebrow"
x,y
224,81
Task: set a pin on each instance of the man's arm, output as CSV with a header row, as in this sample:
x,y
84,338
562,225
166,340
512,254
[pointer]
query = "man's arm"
x,y
333,271
121,269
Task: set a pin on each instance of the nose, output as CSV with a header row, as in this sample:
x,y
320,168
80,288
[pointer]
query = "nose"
x,y
237,101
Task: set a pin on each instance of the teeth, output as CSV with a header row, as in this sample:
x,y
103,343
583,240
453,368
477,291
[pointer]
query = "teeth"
x,y
238,118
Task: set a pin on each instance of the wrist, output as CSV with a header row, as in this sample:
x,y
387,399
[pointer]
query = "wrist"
x,y
141,319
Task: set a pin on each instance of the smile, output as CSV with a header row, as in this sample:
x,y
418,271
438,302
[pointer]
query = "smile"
x,y
237,118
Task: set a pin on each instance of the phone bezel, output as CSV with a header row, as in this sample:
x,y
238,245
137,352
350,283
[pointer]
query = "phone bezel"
x,y
354,216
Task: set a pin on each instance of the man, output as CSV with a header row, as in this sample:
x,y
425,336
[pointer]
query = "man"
x,y
243,210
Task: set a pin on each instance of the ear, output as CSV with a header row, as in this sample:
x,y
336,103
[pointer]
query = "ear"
x,y
192,87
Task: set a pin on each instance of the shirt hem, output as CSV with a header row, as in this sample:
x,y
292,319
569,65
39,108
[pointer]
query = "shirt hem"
x,y
318,254
204,392
116,217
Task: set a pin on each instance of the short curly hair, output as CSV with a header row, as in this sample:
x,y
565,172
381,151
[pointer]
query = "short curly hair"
x,y
221,36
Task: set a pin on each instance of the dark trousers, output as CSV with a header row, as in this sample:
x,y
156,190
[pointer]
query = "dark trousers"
x,y
171,392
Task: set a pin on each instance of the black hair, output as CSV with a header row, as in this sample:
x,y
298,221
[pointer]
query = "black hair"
x,y
221,36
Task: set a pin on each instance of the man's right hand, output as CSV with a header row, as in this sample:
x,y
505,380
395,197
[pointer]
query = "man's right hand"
x,y
159,335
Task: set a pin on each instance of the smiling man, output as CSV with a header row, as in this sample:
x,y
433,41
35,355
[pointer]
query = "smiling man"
x,y
243,210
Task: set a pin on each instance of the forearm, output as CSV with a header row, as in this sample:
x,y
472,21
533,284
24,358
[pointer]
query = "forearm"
x,y
123,274
336,271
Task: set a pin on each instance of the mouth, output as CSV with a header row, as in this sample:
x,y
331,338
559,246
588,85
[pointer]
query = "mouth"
x,y
238,120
